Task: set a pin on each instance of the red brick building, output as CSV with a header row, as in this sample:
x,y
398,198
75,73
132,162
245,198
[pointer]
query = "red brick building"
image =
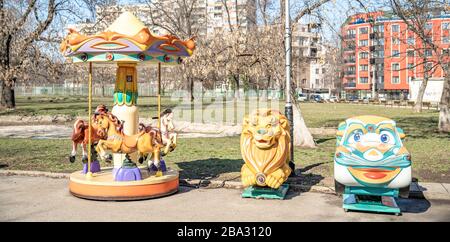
x,y
378,48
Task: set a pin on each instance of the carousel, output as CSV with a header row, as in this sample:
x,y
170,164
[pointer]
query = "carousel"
x,y
135,150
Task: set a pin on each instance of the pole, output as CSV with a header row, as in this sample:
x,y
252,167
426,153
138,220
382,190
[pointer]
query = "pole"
x,y
288,108
89,173
159,95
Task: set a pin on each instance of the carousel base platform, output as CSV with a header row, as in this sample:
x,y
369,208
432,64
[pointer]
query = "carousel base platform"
x,y
101,186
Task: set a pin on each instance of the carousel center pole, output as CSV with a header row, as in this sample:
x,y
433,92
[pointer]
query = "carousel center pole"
x,y
89,173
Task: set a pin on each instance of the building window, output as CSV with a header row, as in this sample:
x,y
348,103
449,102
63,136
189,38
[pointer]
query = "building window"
x,y
395,53
317,82
446,39
363,67
410,53
317,71
395,41
363,55
446,26
446,52
429,66
411,41
323,70
379,41
410,66
428,26
363,80
364,30
380,67
363,42
395,80
378,29
428,53
395,28
395,66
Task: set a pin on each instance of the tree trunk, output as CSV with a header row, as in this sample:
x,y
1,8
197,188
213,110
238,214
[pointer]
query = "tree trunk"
x,y
8,100
236,87
191,88
444,113
302,136
419,101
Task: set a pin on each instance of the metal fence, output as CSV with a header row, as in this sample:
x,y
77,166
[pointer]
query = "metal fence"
x,y
144,89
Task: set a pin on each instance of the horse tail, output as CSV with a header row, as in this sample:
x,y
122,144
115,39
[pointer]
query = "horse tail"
x,y
78,131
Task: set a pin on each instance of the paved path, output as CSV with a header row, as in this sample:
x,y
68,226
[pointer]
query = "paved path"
x,y
45,199
64,132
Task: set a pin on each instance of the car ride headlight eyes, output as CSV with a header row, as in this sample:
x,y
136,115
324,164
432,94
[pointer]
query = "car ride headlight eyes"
x,y
356,137
387,138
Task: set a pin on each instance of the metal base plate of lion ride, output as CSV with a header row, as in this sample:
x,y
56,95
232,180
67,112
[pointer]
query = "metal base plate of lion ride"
x,y
103,187
371,200
266,192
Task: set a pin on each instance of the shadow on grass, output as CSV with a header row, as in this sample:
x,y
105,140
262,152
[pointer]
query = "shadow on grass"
x,y
208,169
420,127
323,140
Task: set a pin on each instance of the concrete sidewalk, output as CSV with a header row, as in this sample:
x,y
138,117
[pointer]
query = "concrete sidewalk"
x,y
421,190
25,198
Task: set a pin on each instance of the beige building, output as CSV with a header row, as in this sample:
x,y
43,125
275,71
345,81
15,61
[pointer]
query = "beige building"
x,y
207,16
310,55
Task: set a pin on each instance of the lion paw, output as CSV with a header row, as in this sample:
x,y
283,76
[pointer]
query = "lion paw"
x,y
276,179
248,180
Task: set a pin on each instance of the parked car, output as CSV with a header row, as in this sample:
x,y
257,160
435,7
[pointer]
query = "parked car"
x,y
334,99
352,98
316,98
302,97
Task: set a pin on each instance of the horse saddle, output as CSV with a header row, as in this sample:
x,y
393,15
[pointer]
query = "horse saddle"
x,y
131,141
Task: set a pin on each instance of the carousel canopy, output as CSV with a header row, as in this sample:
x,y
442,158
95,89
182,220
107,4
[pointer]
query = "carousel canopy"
x,y
126,40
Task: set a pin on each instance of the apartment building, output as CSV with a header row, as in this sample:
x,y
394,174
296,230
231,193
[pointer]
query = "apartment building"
x,y
312,72
207,16
228,15
381,53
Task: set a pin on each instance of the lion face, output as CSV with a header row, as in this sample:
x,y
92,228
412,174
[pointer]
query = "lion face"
x,y
265,141
266,127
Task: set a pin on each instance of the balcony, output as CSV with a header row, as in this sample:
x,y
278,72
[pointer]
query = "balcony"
x,y
350,48
350,85
349,36
349,73
350,61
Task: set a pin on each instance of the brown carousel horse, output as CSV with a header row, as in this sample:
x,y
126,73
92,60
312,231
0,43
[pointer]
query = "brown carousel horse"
x,y
80,134
143,142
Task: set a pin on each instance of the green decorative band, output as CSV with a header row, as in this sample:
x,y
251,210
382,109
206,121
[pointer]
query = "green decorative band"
x,y
129,98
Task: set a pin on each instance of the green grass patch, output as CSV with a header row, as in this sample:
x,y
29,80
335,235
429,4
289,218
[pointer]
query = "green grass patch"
x,y
207,158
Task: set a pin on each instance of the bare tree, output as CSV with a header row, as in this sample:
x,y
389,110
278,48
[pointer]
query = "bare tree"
x,y
408,11
22,27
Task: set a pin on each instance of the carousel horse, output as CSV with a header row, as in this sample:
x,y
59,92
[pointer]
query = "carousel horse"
x,y
118,142
169,138
80,134
155,132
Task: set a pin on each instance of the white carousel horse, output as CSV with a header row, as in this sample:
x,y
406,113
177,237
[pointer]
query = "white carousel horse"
x,y
169,137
